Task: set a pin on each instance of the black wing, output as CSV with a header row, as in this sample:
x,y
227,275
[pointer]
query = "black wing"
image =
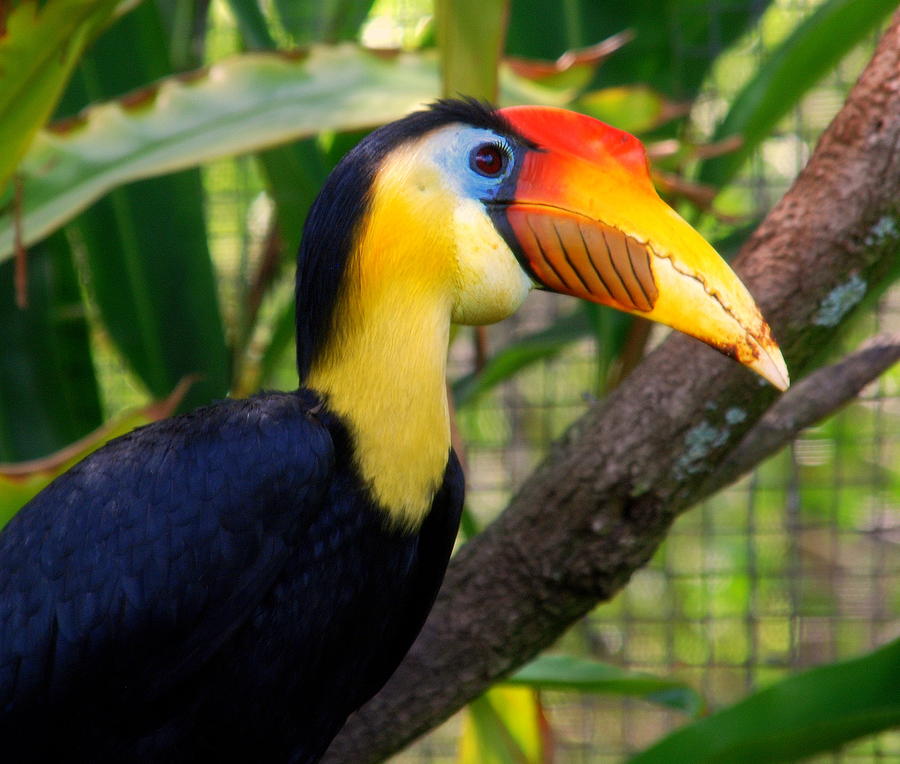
x,y
134,566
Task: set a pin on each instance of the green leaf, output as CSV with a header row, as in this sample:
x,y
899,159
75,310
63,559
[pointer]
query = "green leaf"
x,y
634,108
564,672
813,49
185,22
611,329
16,491
283,336
330,21
48,393
503,726
244,103
39,48
252,24
156,289
153,282
523,352
294,172
471,34
805,714
469,527
663,30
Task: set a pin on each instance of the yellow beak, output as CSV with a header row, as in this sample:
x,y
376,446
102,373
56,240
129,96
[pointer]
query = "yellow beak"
x,y
586,220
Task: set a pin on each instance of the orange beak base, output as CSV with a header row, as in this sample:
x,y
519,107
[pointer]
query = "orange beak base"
x,y
585,220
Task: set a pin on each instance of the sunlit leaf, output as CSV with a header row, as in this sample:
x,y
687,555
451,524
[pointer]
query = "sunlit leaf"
x,y
244,103
39,48
471,35
798,717
503,726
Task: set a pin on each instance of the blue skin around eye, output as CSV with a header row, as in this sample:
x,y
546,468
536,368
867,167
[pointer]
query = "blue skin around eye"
x,y
455,157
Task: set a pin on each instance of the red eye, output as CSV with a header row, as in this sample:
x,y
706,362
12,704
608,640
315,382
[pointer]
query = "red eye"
x,y
488,159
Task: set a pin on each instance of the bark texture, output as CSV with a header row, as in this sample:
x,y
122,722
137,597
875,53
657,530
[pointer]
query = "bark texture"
x,y
601,503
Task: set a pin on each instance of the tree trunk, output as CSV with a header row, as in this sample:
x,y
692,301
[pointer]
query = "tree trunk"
x,y
601,503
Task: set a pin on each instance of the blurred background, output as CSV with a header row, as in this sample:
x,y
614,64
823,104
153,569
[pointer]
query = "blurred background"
x,y
795,565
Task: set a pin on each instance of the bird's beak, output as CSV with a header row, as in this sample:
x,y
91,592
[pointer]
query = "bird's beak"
x,y
584,219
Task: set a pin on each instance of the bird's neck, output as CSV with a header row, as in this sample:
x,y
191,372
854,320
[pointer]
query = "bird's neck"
x,y
383,367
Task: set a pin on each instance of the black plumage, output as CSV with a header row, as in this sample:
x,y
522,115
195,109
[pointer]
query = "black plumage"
x,y
217,584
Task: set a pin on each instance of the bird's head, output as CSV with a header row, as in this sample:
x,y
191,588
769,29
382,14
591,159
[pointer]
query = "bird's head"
x,y
475,207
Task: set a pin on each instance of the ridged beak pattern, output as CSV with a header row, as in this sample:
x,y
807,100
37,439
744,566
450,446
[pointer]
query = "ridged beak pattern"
x,y
584,219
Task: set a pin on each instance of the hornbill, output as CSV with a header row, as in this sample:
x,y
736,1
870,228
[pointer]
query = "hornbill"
x,y
233,582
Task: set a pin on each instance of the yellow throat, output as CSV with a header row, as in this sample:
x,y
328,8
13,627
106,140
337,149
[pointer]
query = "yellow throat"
x,y
383,370
427,254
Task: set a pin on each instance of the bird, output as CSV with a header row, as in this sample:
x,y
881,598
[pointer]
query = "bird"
x,y
233,582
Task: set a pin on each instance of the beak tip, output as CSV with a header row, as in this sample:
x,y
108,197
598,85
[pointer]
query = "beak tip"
x,y
770,365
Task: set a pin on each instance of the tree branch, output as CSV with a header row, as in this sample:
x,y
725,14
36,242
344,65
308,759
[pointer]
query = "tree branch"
x,y
601,503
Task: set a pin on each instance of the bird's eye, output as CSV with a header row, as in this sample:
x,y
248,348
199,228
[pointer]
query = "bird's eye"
x,y
488,159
